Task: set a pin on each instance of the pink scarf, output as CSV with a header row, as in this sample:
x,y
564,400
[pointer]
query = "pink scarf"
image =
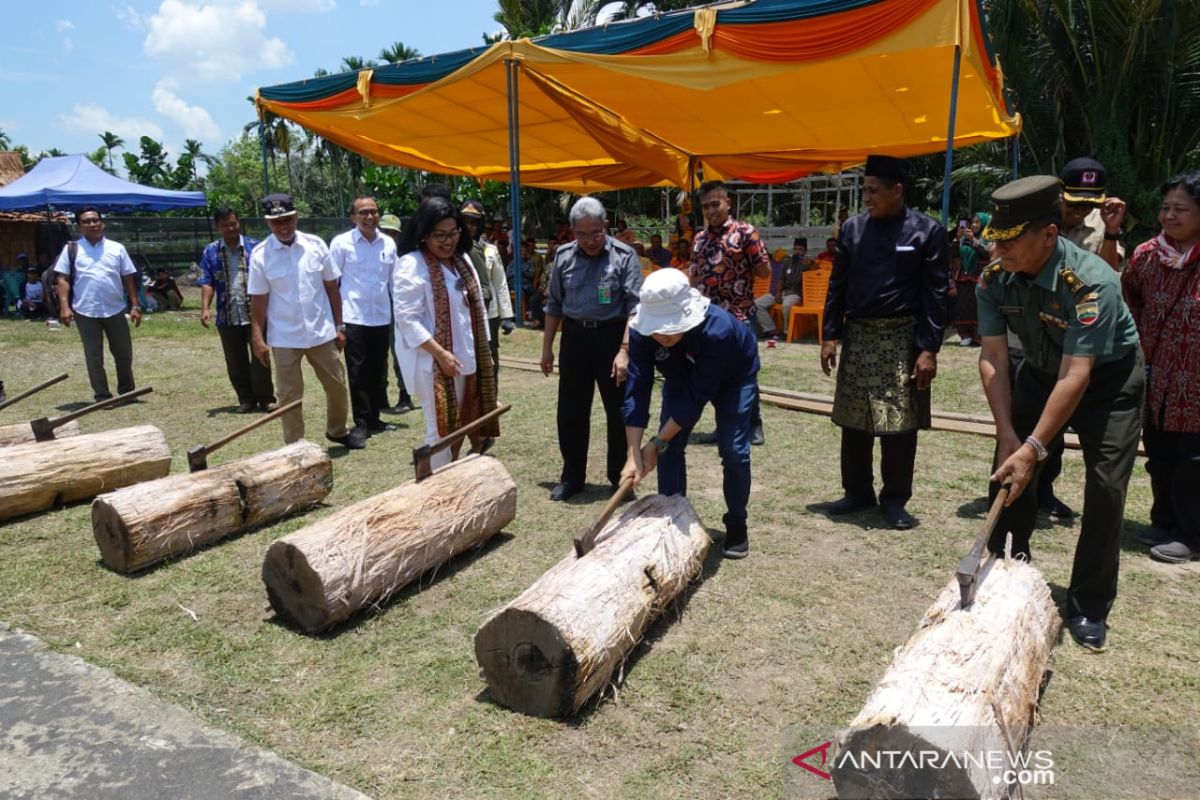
x,y
1170,257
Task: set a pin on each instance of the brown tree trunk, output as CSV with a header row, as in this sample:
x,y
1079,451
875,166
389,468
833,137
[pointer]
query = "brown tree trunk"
x,y
324,573
141,525
21,433
967,682
42,475
558,643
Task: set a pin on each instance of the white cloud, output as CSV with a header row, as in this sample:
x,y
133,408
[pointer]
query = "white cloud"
x,y
131,18
210,41
64,25
92,119
302,6
194,121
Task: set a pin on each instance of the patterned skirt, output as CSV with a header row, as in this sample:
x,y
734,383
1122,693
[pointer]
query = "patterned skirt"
x,y
874,391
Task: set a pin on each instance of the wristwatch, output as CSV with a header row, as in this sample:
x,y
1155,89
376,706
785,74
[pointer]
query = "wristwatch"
x,y
1112,237
659,444
341,328
1038,447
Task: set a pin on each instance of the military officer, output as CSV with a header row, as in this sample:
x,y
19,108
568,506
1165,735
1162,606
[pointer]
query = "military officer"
x,y
1083,367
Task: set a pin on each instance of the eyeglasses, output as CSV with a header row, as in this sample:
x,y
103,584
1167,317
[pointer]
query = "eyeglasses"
x,y
368,212
441,237
590,236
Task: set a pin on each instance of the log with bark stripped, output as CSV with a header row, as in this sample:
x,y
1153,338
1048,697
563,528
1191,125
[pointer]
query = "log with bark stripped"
x,y
42,475
967,682
22,433
323,574
559,642
141,525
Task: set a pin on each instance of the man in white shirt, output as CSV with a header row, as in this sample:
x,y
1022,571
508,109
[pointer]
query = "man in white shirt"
x,y
294,297
366,257
97,275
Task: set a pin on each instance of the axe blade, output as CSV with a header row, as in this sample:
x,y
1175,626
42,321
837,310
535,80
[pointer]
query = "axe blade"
x,y
421,456
43,429
197,457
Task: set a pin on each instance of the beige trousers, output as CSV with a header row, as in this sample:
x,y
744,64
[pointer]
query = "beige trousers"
x,y
289,385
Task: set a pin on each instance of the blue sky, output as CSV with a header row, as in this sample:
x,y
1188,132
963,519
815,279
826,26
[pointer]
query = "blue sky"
x,y
180,69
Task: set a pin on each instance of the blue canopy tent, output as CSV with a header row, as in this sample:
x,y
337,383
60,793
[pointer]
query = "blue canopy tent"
x,y
67,182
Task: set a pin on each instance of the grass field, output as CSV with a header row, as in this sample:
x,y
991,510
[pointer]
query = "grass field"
x,y
791,639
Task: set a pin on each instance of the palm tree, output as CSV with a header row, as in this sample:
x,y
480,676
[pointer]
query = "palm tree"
x,y
193,148
4,140
355,63
399,52
111,143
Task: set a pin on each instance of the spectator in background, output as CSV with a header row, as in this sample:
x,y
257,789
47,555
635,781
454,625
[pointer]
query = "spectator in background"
x,y
31,302
660,255
165,292
683,255
789,291
1092,218
11,288
493,282
95,276
224,271
825,257
541,282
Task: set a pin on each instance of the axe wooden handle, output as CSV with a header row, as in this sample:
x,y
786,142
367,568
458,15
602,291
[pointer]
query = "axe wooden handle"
x,y
968,567
454,436
112,401
263,420
33,390
585,543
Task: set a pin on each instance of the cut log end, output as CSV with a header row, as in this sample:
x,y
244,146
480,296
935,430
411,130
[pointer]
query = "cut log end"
x,y
295,589
112,537
527,664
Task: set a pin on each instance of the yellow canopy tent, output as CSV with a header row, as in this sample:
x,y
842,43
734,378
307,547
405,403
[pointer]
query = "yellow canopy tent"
x,y
765,91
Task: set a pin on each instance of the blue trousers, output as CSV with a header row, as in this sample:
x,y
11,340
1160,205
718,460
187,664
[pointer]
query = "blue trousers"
x,y
734,406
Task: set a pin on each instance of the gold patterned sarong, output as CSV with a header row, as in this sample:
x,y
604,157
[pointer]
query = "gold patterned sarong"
x,y
875,392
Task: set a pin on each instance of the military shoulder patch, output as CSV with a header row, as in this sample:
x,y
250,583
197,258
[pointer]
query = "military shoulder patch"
x,y
1087,312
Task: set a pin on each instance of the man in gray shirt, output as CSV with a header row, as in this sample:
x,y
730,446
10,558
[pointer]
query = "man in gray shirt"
x,y
594,287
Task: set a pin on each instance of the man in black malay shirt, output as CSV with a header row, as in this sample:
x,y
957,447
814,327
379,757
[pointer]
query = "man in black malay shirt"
x,y
887,307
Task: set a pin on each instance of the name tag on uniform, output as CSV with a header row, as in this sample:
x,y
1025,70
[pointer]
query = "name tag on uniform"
x,y
1011,309
605,295
905,248
1052,320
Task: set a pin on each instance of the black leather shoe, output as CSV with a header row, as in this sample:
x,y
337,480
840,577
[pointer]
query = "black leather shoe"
x,y
1055,507
404,405
354,440
381,427
897,518
564,491
736,544
246,408
847,505
1088,632
757,437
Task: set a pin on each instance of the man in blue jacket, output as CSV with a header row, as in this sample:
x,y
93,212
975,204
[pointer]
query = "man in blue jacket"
x,y
705,355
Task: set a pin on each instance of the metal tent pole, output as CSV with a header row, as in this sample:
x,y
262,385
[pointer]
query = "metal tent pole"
x,y
950,137
514,182
262,142
1016,156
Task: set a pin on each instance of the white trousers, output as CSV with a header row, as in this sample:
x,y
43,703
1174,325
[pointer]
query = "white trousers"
x,y
423,388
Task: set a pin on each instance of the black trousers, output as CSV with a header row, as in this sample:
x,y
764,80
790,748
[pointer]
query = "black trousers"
x,y
898,458
1173,461
494,344
584,364
249,378
1053,466
1108,421
93,331
366,371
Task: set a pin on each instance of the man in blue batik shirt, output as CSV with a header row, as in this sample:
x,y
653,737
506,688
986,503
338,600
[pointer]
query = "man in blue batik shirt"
x,y
705,354
223,269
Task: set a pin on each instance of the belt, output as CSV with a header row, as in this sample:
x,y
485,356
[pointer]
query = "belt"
x,y
596,323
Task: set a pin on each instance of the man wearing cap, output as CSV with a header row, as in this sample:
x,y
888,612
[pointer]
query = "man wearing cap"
x,y
706,355
224,272
887,307
95,277
1092,218
790,290
727,255
296,313
390,225
366,258
593,289
489,266
1083,368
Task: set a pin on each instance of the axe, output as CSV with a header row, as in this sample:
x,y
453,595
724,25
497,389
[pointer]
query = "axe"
x,y
197,455
587,540
43,429
422,454
33,390
972,563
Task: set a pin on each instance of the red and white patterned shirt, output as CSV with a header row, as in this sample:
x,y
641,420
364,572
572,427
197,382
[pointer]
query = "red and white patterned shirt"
x,y
723,261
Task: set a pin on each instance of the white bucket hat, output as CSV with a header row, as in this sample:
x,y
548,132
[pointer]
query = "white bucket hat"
x,y
668,304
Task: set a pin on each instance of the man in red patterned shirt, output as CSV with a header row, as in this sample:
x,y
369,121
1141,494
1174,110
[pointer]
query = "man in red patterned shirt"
x,y
726,257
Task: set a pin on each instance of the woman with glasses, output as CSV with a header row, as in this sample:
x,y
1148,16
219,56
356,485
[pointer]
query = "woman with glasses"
x,y
441,327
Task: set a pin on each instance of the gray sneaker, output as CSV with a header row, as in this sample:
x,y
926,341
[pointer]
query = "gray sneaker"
x,y
1155,536
1176,552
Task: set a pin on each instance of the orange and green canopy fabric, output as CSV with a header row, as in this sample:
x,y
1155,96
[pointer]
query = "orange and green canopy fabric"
x,y
765,91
